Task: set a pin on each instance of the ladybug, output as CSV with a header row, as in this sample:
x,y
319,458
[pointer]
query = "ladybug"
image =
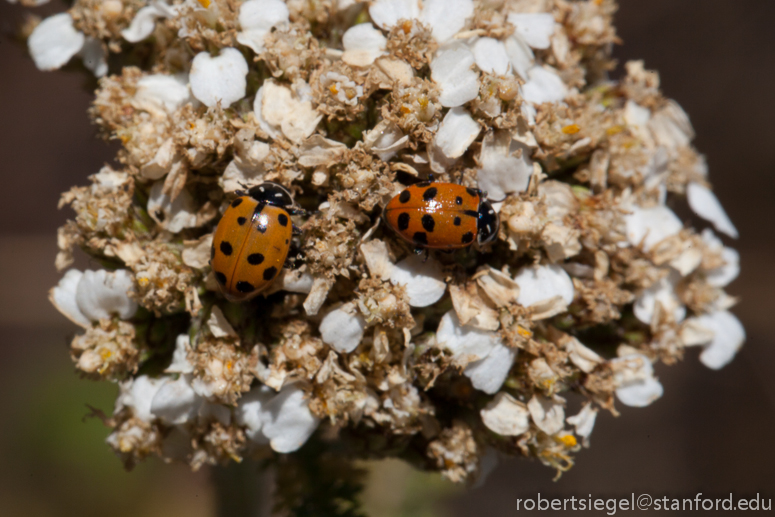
x,y
446,216
252,240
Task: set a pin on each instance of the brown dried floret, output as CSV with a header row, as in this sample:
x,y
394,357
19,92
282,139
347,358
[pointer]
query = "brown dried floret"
x,y
222,368
107,350
215,443
455,453
134,439
412,41
293,54
162,278
104,20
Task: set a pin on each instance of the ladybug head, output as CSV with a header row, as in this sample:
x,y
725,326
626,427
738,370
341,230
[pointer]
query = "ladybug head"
x,y
271,194
488,225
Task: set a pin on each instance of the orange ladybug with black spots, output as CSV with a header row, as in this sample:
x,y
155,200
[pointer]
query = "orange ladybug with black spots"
x,y
445,216
252,240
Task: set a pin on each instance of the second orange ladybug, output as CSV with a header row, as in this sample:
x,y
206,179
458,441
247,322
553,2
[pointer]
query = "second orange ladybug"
x,y
252,240
443,216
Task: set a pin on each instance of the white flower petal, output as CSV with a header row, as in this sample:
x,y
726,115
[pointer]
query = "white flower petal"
x,y
164,91
171,215
219,325
288,422
176,402
249,414
278,110
635,114
548,415
662,291
219,79
520,56
540,283
54,41
446,17
506,416
456,133
584,421
723,275
94,57
423,281
363,44
502,172
144,22
543,85
534,28
256,18
640,394
489,374
343,328
101,294
138,394
704,203
451,70
465,342
63,298
386,13
491,57
634,380
651,225
180,362
728,337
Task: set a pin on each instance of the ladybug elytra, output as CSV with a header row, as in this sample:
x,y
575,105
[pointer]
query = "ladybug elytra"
x,y
444,216
252,240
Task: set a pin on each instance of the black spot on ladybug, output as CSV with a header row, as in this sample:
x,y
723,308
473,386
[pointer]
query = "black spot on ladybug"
x,y
287,241
255,258
403,221
468,238
430,193
404,196
472,192
226,248
220,277
458,200
428,223
241,221
282,219
457,221
270,272
423,184
237,202
245,287
420,238
472,213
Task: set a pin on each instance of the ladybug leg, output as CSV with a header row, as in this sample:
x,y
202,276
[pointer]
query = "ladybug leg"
x,y
296,229
295,258
418,250
296,211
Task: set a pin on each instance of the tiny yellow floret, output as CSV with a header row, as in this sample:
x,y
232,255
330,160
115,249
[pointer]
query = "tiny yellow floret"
x,y
522,331
333,89
571,129
204,3
568,440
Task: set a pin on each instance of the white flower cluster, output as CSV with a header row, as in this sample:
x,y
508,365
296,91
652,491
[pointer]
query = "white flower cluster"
x,y
593,278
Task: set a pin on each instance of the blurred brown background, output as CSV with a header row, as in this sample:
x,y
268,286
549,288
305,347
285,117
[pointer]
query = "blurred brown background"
x,y
711,432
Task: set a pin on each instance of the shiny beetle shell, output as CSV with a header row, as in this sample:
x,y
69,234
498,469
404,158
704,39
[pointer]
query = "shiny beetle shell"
x,y
442,216
251,242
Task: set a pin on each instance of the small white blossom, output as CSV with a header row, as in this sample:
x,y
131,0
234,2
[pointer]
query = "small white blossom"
x,y
363,44
456,133
543,85
180,362
283,419
92,295
343,328
144,22
704,203
491,56
55,41
502,170
165,92
520,55
651,225
281,112
728,336
176,402
506,416
634,378
257,18
138,394
662,291
584,422
548,414
489,374
423,280
538,284
219,79
723,275
445,17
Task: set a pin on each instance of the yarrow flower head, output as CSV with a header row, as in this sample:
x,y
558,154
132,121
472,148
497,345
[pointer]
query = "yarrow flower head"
x,y
345,104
